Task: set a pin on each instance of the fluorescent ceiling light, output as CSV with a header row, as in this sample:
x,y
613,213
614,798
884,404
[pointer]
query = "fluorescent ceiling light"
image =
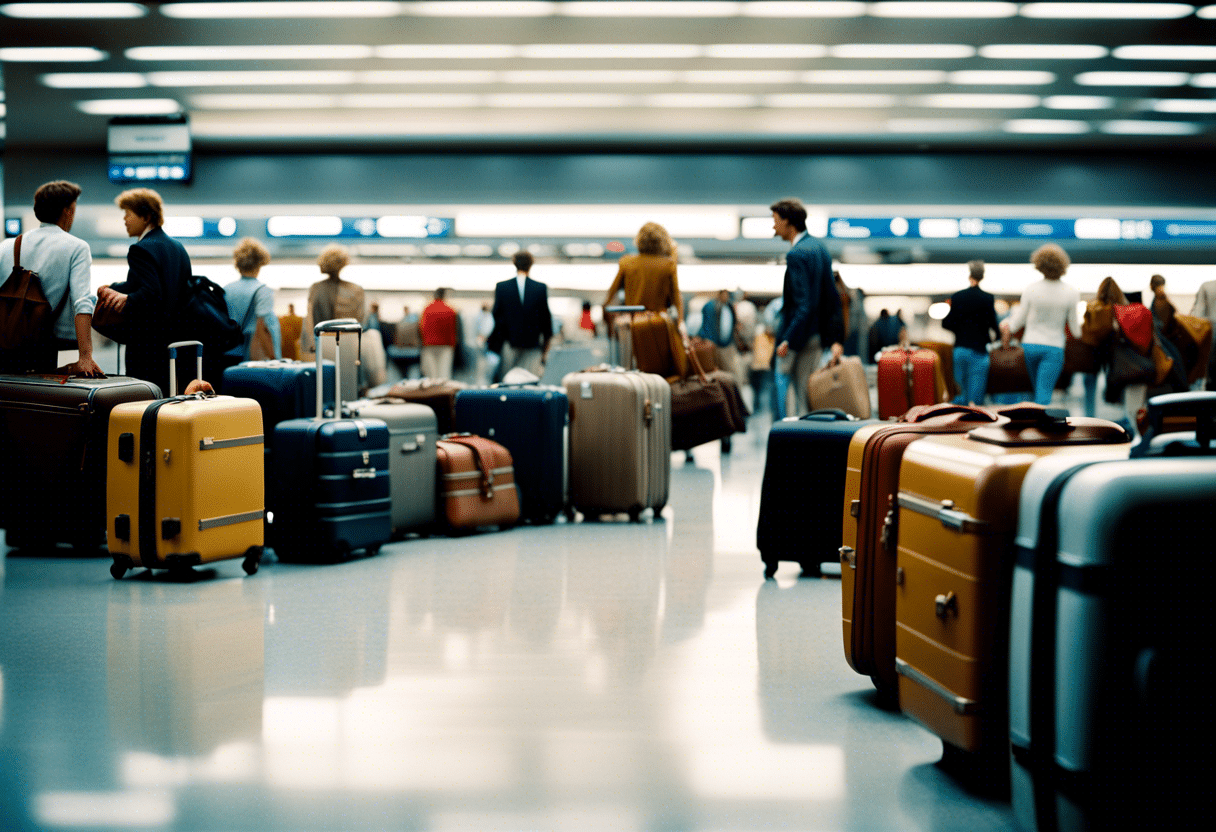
x,y
51,54
270,101
611,50
828,100
874,76
1078,102
1204,80
1002,77
557,100
1132,79
522,8
73,11
122,809
687,100
639,8
94,80
1185,105
590,76
1207,12
128,106
445,51
1053,126
741,76
793,9
251,78
280,10
183,226
901,51
402,226
770,51
308,52
1107,11
941,228
304,226
1043,51
1130,127
427,76
936,125
1166,53
944,10
595,222
408,100
1097,228
977,101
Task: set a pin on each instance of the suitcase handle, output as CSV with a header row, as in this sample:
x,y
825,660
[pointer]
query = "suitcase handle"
x,y
1199,405
198,349
828,414
336,326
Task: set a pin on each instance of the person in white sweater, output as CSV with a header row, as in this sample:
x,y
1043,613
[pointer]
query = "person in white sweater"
x,y
1205,307
1047,308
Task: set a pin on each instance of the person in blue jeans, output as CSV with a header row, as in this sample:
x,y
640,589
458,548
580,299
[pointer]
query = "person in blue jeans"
x,y
972,319
1048,308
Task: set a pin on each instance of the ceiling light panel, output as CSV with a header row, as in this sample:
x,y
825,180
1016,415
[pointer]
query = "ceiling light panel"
x,y
94,80
1129,127
522,8
768,51
1207,12
1185,105
445,51
612,50
692,100
1002,77
792,9
128,106
639,8
250,79
1043,51
1165,53
302,52
874,76
937,125
269,101
741,76
976,101
583,100
51,54
74,11
828,100
1107,11
1132,79
590,76
903,51
408,100
1078,102
944,10
427,76
280,10
1046,126
1204,80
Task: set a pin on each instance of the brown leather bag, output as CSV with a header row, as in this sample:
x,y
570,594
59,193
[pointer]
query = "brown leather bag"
x,y
476,482
436,393
26,316
1007,371
841,386
1193,338
657,345
705,407
706,353
1098,324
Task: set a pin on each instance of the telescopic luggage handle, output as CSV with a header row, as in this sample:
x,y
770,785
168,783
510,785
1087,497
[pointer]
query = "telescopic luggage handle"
x,y
337,327
1199,405
198,345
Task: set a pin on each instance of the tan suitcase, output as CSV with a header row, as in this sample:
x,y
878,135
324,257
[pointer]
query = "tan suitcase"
x,y
620,441
958,512
841,386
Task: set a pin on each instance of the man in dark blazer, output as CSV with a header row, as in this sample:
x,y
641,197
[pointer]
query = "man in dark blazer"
x,y
811,313
147,302
523,325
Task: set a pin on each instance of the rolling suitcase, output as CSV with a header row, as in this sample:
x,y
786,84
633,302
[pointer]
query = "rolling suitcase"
x,y
530,421
331,478
908,377
841,386
867,561
620,442
184,483
803,485
955,524
411,459
476,483
1106,704
53,456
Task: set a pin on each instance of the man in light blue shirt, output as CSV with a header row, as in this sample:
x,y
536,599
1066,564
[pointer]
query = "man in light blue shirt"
x,y
63,264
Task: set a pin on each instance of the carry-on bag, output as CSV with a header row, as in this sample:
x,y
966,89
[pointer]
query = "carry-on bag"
x,y
802,488
655,343
908,376
476,483
840,386
412,433
1106,701
705,407
53,456
184,480
439,394
331,493
953,536
867,564
620,441
530,421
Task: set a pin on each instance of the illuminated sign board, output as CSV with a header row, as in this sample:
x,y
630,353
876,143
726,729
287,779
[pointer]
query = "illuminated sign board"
x,y
1086,228
384,228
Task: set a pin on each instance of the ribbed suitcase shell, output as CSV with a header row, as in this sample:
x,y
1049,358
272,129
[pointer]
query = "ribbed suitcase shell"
x,y
620,441
958,510
867,563
412,433
803,485
53,432
531,423
907,378
184,482
1105,700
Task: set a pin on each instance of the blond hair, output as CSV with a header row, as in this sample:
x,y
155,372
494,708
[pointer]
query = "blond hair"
x,y
653,238
333,259
145,203
1050,260
250,255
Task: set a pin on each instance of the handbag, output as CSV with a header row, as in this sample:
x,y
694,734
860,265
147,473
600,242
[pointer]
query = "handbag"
x,y
1007,371
1127,366
1192,336
1136,323
705,407
1098,324
1079,356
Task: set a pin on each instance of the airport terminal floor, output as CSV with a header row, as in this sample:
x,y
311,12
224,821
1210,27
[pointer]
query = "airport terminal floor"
x,y
595,675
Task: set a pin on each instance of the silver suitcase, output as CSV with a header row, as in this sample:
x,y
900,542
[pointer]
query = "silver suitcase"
x,y
412,433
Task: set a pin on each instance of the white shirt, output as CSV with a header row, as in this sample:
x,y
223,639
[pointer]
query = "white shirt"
x,y
1046,307
62,262
521,278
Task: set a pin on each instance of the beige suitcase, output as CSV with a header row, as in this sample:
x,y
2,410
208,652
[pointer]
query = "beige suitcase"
x,y
841,386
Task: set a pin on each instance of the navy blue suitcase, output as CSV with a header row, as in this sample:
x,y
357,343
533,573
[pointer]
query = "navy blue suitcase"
x,y
530,422
802,494
330,488
285,389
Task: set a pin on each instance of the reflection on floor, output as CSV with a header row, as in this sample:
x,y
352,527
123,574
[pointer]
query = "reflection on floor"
x,y
579,676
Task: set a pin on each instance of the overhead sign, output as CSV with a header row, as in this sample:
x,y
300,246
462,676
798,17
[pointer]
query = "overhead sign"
x,y
1084,228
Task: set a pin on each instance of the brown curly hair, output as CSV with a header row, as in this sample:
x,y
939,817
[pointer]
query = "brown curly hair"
x,y
249,255
145,203
653,238
1051,261
333,259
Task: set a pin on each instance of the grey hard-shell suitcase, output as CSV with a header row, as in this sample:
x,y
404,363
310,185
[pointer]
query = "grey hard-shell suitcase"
x,y
412,432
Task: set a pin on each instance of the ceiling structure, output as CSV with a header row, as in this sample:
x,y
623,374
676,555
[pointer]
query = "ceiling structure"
x,y
397,75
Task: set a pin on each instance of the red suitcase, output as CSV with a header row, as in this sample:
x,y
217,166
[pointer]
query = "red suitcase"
x,y
906,378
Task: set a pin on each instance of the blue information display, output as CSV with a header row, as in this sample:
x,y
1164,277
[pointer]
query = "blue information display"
x,y
385,228
1090,228
12,226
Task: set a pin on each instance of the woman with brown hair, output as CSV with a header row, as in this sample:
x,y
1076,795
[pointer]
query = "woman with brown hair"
x,y
1048,307
332,297
649,277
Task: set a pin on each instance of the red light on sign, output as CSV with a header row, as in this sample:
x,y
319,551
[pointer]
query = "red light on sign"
x,y
616,246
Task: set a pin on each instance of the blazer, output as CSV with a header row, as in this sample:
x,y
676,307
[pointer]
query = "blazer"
x,y
158,268
526,324
650,281
810,303
711,324
972,318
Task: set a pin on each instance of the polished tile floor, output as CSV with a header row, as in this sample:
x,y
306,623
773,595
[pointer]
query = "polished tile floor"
x,y
577,677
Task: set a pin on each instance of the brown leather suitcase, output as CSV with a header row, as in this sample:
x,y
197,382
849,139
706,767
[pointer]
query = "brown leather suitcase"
x,y
955,525
476,483
867,565
841,386
439,394
706,353
657,346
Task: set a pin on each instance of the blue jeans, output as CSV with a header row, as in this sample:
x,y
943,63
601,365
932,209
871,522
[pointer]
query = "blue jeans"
x,y
971,373
1044,364
781,387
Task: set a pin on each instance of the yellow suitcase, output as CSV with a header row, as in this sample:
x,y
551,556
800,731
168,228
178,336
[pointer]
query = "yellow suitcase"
x,y
184,481
958,513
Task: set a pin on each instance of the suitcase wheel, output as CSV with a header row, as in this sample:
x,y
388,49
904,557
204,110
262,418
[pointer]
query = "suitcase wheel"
x,y
810,569
117,570
659,509
570,512
770,569
374,550
253,558
635,514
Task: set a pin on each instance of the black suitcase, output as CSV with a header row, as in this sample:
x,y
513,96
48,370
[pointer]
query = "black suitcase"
x,y
53,455
330,488
530,422
802,494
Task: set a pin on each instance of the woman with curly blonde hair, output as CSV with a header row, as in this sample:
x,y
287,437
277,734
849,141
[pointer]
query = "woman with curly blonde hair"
x,y
649,277
332,297
1048,308
251,303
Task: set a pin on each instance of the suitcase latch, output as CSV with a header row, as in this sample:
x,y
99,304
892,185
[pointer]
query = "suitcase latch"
x,y
855,508
167,455
364,473
848,555
899,576
122,527
367,457
585,389
126,447
170,528
945,604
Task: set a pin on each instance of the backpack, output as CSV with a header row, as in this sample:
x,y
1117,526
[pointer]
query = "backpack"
x,y
204,316
26,316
